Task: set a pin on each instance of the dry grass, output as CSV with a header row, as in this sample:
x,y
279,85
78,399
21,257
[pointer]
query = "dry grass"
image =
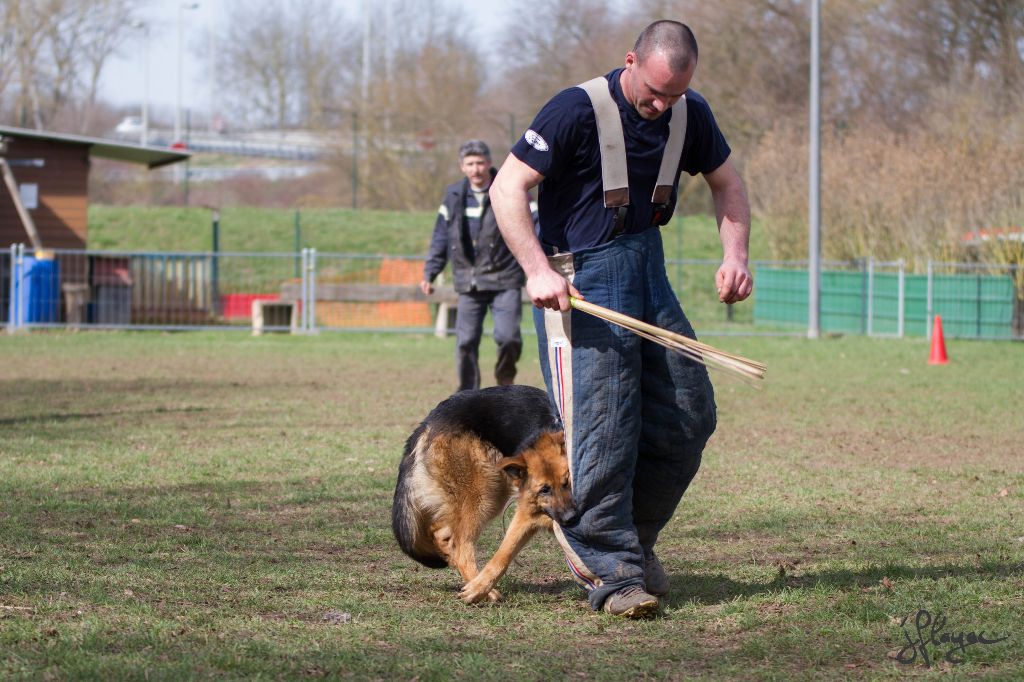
x,y
911,195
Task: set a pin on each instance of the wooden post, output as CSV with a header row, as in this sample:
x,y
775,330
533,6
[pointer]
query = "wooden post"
x,y
26,219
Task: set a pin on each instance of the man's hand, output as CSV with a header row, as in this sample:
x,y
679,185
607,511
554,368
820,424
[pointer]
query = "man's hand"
x,y
732,211
548,289
733,281
426,287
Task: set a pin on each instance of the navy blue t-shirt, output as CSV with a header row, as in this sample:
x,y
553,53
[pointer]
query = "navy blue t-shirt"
x,y
562,145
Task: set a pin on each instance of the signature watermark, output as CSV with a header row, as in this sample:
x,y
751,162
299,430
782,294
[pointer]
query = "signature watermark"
x,y
922,630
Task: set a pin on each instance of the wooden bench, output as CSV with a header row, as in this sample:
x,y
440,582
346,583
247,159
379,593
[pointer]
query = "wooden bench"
x,y
444,296
376,293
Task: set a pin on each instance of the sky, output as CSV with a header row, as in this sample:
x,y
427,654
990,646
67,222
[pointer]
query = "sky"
x,y
124,79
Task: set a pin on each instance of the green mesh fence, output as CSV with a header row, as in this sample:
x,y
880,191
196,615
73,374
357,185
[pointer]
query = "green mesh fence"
x,y
971,305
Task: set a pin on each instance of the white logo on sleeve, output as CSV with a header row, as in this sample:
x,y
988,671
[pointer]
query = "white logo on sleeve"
x,y
536,141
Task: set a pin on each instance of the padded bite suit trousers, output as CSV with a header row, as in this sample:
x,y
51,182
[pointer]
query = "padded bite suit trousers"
x,y
637,415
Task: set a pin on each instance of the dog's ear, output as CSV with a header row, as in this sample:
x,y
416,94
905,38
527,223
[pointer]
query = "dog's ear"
x,y
556,438
514,467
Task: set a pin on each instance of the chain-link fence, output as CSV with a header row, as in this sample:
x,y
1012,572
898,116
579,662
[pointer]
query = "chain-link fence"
x,y
307,291
879,298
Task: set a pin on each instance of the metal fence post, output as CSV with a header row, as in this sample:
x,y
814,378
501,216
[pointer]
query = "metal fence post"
x,y
928,303
901,304
871,296
215,264
18,293
355,160
978,321
298,238
12,308
312,291
304,292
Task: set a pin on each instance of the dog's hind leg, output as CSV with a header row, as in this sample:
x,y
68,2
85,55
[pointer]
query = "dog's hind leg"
x,y
456,550
463,557
442,536
519,533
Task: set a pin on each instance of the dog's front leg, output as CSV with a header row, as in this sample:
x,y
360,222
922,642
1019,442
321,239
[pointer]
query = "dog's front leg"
x,y
519,533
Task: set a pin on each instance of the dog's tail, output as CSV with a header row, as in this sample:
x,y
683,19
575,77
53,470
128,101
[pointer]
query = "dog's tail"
x,y
406,518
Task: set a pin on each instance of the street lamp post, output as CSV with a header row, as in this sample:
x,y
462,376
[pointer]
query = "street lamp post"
x,y
181,39
814,181
144,27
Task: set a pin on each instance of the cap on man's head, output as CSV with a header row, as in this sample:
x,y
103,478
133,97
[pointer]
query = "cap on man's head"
x,y
474,148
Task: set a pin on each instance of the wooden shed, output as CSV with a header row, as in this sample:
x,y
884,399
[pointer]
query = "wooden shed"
x,y
46,179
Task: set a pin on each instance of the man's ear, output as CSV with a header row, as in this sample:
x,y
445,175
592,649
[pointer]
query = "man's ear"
x,y
514,467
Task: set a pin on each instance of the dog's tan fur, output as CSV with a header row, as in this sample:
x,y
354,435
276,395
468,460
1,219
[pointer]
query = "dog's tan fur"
x,y
457,483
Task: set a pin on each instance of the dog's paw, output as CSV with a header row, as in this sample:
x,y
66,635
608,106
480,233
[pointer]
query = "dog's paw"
x,y
476,591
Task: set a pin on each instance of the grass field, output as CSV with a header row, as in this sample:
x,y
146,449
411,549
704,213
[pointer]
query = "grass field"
x,y
332,231
261,230
215,505
165,228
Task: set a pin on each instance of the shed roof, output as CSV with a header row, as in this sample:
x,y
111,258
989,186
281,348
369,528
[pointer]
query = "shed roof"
x,y
150,156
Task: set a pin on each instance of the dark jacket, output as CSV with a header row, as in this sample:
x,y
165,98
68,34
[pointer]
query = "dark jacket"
x,y
487,264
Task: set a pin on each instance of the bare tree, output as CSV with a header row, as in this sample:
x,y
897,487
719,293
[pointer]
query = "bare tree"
x,y
413,122
53,54
280,63
961,39
8,46
29,22
256,62
322,75
104,28
563,42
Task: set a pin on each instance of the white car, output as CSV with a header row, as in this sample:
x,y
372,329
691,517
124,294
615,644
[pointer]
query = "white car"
x,y
130,126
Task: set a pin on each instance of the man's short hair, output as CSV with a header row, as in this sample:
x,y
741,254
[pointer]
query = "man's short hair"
x,y
474,148
673,39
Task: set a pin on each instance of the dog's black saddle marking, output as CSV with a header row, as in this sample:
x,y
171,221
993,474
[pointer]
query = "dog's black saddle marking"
x,y
509,417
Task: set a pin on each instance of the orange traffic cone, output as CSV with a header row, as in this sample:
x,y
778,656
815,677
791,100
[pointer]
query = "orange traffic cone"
x,y
938,356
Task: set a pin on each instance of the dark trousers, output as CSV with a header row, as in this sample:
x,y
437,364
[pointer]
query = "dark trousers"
x,y
507,311
637,415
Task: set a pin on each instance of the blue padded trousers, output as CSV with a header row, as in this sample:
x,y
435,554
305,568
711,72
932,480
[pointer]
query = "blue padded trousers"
x,y
637,415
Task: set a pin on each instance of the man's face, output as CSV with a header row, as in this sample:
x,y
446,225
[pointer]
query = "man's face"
x,y
652,87
477,169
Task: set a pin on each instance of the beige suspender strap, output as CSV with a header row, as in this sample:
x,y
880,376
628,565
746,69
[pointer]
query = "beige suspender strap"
x,y
672,154
611,142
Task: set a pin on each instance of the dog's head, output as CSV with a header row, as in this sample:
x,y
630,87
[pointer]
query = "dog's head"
x,y
541,475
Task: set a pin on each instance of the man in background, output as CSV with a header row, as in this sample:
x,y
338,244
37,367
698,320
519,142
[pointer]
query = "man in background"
x,y
486,273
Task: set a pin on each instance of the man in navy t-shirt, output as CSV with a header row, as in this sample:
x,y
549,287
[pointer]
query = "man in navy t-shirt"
x,y
637,416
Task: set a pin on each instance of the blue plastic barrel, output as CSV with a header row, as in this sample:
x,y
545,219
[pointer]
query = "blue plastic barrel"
x,y
37,291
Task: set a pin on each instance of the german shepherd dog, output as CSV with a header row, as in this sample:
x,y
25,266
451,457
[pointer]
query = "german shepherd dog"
x,y
460,467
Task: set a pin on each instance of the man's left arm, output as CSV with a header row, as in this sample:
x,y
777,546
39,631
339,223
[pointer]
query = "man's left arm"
x,y
732,211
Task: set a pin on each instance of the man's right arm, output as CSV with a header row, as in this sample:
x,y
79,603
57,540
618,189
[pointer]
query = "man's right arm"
x,y
510,199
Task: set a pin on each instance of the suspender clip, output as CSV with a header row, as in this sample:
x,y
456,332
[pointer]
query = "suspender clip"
x,y
619,222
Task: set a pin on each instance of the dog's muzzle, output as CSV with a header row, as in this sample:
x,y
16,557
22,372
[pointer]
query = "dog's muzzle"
x,y
567,518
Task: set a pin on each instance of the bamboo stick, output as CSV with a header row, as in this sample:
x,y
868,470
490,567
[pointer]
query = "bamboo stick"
x,y
712,357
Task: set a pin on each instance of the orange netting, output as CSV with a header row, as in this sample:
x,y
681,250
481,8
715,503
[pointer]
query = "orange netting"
x,y
392,271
